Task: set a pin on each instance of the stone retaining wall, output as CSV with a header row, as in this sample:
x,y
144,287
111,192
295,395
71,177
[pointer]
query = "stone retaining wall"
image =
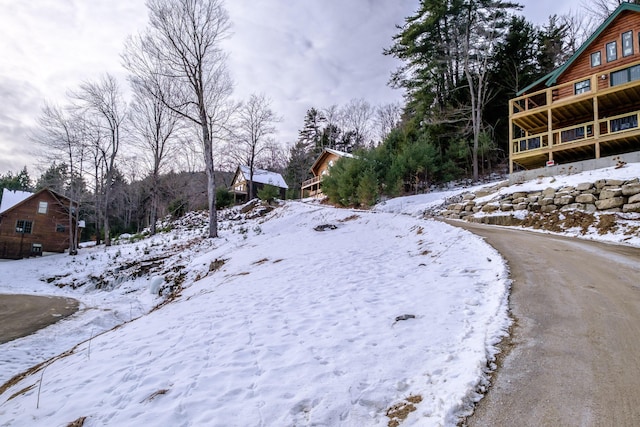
x,y
606,195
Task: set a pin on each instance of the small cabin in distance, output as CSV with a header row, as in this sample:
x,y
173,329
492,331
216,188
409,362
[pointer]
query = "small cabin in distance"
x,y
240,184
320,169
31,224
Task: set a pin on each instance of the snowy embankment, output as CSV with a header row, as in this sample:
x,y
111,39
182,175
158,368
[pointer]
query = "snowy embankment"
x,y
432,202
376,318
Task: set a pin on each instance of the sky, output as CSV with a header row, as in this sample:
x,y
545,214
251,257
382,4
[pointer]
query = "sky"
x,y
299,54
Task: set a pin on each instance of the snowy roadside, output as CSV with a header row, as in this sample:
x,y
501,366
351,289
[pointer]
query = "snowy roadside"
x,y
433,202
376,318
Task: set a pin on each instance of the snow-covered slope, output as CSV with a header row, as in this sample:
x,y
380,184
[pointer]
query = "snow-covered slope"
x,y
628,233
376,317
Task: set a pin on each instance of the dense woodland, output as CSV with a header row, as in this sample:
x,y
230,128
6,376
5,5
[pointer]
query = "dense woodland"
x,y
175,144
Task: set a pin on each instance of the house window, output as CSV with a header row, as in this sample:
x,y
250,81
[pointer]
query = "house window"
x,y
596,59
625,76
42,207
612,51
624,123
23,226
627,43
60,228
582,87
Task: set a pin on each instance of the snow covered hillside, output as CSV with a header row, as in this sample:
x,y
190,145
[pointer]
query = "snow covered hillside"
x,y
307,315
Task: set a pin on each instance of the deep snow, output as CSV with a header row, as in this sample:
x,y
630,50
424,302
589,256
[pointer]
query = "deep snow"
x,y
277,325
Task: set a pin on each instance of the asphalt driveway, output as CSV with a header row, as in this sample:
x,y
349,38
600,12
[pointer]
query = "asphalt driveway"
x,y
22,315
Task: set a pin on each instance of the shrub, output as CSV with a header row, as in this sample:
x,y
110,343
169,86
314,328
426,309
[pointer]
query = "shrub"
x,y
268,193
223,198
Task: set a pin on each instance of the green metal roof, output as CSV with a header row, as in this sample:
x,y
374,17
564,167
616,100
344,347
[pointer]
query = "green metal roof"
x,y
551,78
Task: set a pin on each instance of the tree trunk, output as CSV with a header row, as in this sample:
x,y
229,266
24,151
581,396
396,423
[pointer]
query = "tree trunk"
x,y
210,169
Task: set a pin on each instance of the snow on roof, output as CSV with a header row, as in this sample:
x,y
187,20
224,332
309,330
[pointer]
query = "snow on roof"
x,y
11,198
264,177
338,153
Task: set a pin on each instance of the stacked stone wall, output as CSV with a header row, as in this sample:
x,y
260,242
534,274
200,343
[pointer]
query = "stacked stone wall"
x,y
606,195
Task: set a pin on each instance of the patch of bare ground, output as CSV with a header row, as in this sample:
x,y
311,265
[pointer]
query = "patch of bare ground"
x,y
77,423
400,411
156,394
349,218
559,222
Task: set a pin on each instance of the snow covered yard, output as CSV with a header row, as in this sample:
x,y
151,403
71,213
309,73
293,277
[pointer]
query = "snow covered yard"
x,y
369,319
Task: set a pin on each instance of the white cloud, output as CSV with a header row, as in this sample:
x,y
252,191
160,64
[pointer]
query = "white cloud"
x,y
301,54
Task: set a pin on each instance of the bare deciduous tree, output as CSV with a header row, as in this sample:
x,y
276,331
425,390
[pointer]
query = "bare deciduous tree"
x,y
387,118
183,42
601,9
154,125
61,132
255,124
103,100
357,115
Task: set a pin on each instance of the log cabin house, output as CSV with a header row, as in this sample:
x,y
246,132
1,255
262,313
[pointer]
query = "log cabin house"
x,y
320,169
586,109
240,184
31,224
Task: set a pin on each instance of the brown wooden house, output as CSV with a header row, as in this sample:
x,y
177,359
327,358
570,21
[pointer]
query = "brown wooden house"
x,y
240,184
589,107
320,169
33,224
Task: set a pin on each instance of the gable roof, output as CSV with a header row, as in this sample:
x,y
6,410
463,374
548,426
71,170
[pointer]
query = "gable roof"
x,y
331,151
262,176
11,198
16,198
551,78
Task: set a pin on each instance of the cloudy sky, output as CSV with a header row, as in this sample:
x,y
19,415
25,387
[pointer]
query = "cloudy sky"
x,y
300,54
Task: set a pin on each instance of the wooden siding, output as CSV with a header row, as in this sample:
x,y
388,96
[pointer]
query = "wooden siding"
x,y
322,168
581,67
14,244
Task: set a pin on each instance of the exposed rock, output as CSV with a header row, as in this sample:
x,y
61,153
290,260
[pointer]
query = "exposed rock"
x,y
490,208
546,201
548,208
634,198
506,220
610,203
614,182
549,192
631,207
610,192
631,189
584,186
563,200
586,198
468,196
573,207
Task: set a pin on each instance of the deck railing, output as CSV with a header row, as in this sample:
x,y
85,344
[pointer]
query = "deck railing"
x,y
585,131
598,82
312,181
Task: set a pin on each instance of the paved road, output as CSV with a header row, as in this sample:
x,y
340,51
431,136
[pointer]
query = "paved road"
x,y
22,315
574,357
